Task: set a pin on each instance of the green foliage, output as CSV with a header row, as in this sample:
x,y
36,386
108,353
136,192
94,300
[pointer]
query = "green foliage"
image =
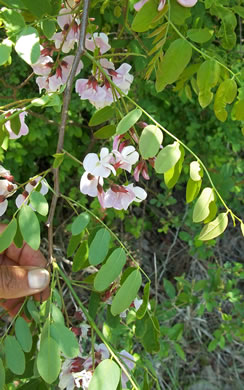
x,y
106,376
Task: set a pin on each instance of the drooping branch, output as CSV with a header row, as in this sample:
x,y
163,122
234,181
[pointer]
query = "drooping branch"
x,y
64,116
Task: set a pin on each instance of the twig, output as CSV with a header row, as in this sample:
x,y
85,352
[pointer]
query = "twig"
x,y
64,116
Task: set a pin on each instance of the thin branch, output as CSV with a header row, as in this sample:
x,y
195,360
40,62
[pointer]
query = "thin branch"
x,y
64,116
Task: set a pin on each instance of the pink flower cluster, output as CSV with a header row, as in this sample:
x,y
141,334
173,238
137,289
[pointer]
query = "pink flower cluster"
x,y
77,372
184,3
8,188
119,197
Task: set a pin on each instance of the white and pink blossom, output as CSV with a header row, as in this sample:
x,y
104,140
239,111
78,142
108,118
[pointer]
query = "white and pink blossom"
x,y
184,3
70,31
121,77
89,184
24,130
126,158
119,197
97,40
90,89
7,189
140,193
43,66
99,167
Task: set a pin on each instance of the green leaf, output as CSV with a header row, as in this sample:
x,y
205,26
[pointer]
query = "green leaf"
x,y
226,32
94,302
238,110
106,376
57,315
150,140
173,63
80,257
15,357
196,172
167,157
65,339
179,351
110,270
105,132
48,28
2,375
80,223
169,288
23,334
12,4
178,14
5,51
127,293
39,202
212,212
215,228
225,94
192,190
15,124
73,244
99,247
32,309
143,308
38,7
12,20
58,159
29,227
7,236
128,121
239,10
56,5
150,336
201,208
200,35
48,360
143,19
207,77
213,345
101,116
172,175
28,45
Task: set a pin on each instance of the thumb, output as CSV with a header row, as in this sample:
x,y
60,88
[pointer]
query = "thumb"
x,y
16,281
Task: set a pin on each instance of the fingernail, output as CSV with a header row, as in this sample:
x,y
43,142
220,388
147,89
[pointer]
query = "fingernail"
x,y
38,278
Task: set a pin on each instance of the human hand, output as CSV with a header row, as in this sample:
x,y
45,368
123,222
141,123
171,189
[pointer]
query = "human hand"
x,y
22,273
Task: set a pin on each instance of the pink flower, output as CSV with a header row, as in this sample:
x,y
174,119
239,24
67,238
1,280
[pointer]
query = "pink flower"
x,y
70,34
126,158
90,89
97,40
141,168
140,193
121,77
119,197
52,83
89,184
43,66
23,127
141,3
7,189
99,167
31,186
187,3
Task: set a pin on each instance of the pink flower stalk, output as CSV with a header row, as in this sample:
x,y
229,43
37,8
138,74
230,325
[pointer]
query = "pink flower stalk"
x,y
119,197
99,167
70,31
97,40
24,130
